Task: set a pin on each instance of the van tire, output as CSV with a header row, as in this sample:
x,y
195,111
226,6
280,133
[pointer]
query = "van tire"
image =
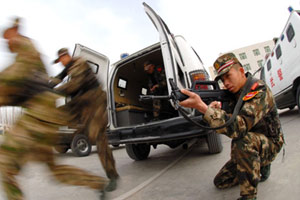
x,y
81,145
214,142
138,151
298,98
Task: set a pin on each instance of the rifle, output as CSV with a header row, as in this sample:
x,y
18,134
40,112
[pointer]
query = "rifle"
x,y
212,93
207,96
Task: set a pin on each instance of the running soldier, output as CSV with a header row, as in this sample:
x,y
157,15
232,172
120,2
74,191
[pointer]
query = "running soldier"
x,y
32,138
256,132
88,105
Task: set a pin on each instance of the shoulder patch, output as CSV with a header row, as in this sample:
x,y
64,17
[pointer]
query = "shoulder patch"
x,y
250,95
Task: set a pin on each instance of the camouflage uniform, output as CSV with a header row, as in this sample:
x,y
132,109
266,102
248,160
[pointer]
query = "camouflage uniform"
x,y
256,139
34,134
157,77
89,106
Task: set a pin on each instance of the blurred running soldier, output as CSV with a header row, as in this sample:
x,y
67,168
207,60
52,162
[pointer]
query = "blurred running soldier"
x,y
88,105
25,84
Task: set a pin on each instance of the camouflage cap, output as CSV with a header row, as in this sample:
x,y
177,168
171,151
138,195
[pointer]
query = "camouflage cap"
x,y
224,63
13,27
61,52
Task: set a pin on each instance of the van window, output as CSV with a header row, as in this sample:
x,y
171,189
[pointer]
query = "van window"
x,y
290,33
269,65
93,66
278,52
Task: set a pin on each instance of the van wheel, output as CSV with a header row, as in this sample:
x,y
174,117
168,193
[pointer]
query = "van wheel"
x,y
138,151
298,98
214,142
62,148
81,145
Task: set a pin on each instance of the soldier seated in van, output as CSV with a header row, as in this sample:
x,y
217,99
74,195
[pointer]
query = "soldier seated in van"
x,y
157,85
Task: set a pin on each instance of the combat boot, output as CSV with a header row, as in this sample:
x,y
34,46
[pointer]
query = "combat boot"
x,y
102,195
265,172
112,185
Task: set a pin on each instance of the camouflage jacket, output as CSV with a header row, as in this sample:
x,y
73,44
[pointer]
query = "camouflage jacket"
x,y
158,77
81,80
25,77
258,114
85,92
25,83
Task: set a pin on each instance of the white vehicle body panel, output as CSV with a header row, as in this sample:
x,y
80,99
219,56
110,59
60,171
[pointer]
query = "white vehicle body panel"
x,y
98,62
282,67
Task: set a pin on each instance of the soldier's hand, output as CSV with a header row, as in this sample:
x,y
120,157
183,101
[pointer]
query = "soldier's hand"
x,y
154,88
215,104
53,81
194,101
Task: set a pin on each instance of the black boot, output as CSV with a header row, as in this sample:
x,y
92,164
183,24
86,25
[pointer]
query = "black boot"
x,y
102,195
112,185
265,172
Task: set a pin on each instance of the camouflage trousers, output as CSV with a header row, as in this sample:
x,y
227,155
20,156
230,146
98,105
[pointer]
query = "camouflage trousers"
x,y
32,139
104,152
248,155
16,152
91,109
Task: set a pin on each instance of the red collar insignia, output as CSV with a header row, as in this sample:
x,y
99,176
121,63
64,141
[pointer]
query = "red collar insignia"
x,y
159,69
254,86
250,95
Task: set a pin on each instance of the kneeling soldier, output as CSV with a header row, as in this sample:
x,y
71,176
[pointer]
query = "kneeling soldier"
x,y
256,132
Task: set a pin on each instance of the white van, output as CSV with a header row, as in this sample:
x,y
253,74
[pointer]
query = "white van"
x,y
129,118
281,70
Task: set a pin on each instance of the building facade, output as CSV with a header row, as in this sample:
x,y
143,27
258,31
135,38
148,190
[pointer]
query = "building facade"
x,y
251,57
